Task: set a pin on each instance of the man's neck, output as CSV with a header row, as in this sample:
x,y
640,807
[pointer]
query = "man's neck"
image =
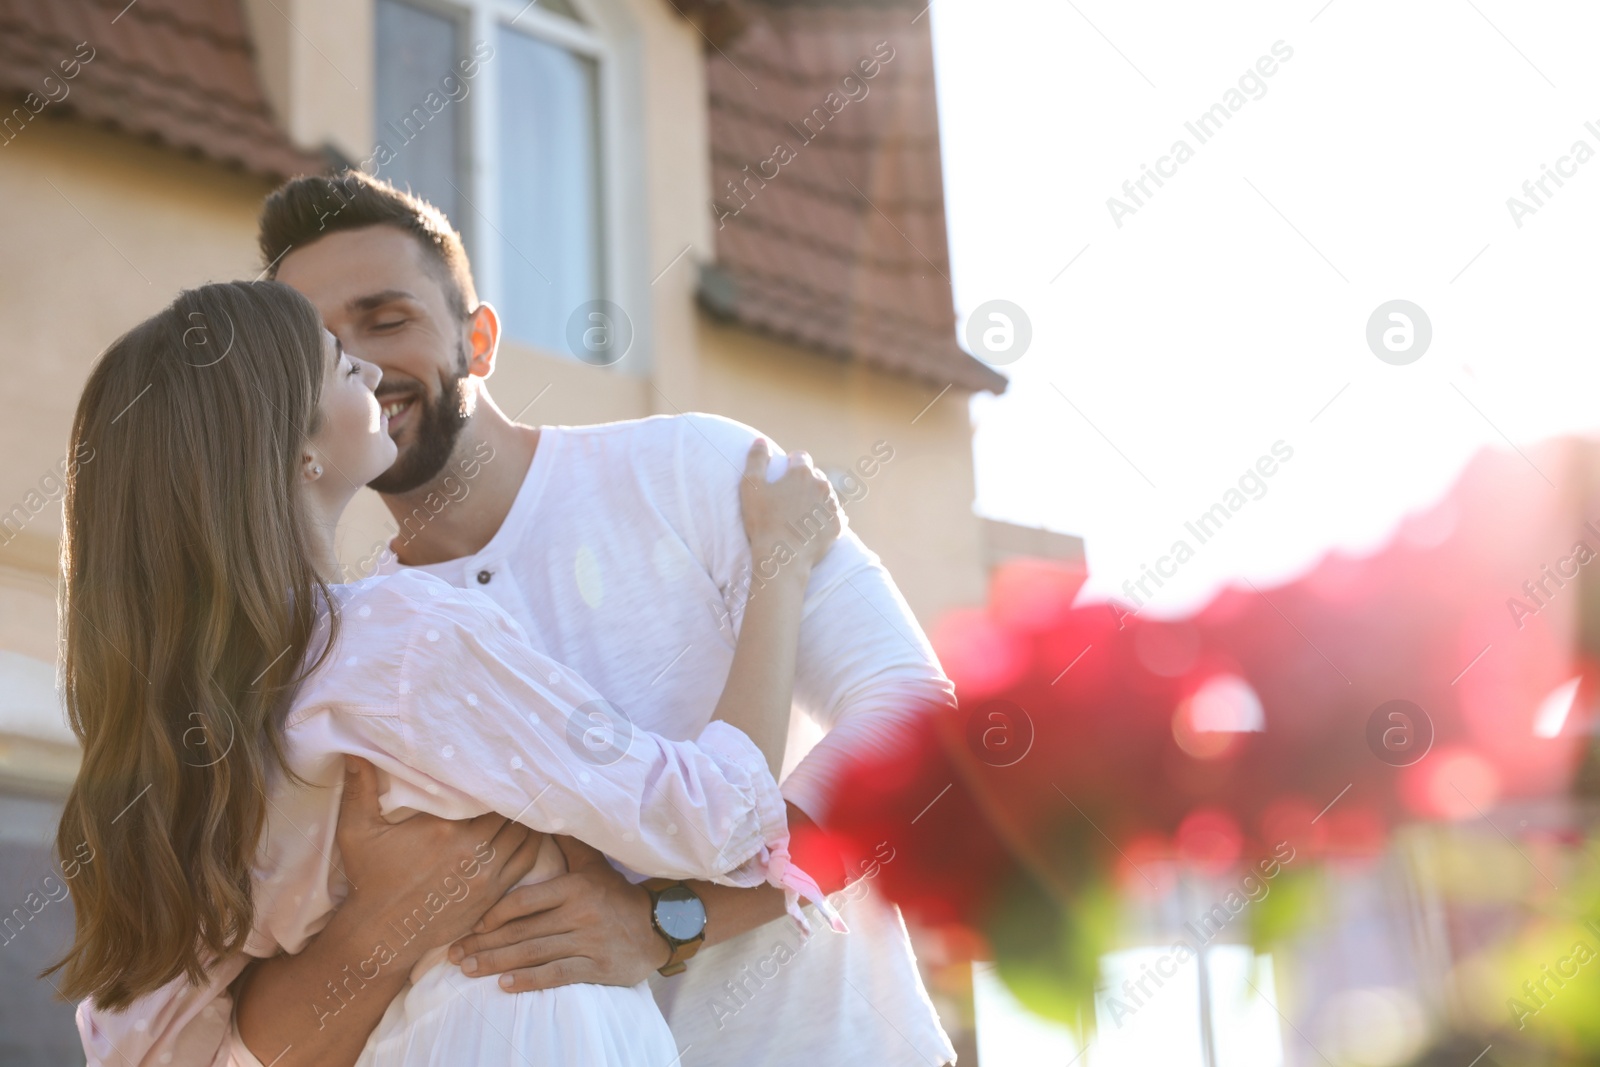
x,y
459,511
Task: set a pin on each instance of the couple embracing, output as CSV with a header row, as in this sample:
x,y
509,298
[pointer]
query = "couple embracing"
x,y
368,821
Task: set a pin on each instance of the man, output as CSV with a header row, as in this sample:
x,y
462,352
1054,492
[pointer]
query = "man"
x,y
621,551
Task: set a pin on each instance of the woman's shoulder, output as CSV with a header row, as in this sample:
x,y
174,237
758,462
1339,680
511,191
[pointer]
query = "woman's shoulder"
x,y
377,616
392,629
408,591
393,609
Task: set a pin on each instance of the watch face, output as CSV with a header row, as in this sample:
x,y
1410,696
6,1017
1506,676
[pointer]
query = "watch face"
x,y
680,914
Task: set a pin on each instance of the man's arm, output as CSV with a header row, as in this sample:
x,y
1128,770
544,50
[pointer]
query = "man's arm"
x,y
287,1013
320,1005
867,674
865,670
593,925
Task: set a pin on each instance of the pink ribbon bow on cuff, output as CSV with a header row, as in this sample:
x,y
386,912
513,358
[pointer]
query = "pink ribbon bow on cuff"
x,y
795,883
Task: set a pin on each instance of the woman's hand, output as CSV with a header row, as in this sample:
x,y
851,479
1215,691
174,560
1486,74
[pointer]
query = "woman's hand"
x,y
791,522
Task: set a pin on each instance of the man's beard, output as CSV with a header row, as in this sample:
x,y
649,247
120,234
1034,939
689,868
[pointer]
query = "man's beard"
x,y
435,431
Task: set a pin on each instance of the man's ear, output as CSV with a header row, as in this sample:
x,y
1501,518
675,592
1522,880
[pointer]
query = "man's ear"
x,y
483,340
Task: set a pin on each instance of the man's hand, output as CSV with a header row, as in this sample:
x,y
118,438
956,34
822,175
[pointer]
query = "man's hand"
x,y
588,925
283,1012
394,866
592,925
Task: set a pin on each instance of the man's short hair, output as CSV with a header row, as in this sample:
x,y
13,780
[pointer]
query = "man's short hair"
x,y
312,206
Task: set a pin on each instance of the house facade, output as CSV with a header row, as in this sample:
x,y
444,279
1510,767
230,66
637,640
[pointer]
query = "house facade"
x,y
743,198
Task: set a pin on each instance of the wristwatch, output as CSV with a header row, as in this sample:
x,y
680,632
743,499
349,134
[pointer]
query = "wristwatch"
x,y
679,916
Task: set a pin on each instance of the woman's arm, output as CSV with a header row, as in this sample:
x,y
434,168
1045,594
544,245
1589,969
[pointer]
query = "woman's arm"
x,y
439,688
791,522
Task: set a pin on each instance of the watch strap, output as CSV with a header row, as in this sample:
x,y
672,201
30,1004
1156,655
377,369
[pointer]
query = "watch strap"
x,y
682,953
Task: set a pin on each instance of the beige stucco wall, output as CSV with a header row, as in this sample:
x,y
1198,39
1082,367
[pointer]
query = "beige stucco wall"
x,y
314,58
674,137
101,231
916,512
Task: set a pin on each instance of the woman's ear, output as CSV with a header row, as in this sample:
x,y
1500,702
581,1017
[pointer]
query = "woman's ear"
x,y
310,467
483,336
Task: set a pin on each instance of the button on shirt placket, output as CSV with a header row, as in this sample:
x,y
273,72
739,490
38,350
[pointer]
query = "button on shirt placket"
x,y
495,578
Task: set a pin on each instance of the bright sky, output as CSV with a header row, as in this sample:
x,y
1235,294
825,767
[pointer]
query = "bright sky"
x,y
1229,311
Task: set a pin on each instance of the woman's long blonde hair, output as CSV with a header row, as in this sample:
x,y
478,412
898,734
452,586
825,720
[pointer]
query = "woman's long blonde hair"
x,y
189,606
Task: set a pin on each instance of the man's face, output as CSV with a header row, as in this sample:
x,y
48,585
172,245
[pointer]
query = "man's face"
x,y
377,295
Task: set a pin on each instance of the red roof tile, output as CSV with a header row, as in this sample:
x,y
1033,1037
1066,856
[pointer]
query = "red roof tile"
x,y
179,72
843,247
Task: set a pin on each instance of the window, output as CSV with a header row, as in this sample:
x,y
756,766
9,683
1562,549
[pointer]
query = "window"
x,y
515,151
416,51
549,185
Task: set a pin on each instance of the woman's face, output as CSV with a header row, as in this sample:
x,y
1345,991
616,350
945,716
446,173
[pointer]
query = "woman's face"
x,y
352,440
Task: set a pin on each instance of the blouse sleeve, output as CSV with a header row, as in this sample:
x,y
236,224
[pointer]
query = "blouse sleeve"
x,y
479,714
179,1025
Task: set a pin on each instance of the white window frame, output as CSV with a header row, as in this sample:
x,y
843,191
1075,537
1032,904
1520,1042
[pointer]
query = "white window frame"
x,y
611,38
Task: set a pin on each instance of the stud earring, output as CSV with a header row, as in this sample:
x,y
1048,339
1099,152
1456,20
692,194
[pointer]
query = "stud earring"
x,y
316,470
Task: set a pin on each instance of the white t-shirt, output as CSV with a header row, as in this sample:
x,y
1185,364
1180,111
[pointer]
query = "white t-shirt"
x,y
624,556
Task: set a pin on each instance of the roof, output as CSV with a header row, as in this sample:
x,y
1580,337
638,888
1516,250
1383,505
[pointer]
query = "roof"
x,y
178,72
838,243
1005,542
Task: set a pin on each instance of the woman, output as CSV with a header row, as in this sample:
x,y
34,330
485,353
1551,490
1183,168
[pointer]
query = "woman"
x,y
217,679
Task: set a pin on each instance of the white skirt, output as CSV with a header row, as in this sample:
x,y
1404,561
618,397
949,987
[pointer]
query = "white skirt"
x,y
448,1019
